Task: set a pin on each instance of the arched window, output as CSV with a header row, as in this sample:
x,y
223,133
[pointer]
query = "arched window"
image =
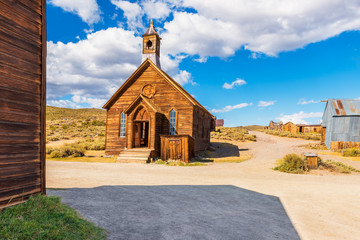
x,y
122,124
172,122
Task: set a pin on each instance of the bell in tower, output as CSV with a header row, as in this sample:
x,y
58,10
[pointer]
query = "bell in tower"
x,y
151,45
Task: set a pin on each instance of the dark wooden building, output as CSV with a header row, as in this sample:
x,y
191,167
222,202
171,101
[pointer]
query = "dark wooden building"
x,y
153,114
22,100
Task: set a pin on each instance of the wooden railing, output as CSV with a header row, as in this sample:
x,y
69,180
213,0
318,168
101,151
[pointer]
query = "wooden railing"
x,y
177,147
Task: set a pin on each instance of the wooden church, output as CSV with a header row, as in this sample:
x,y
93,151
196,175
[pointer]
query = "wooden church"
x,y
151,115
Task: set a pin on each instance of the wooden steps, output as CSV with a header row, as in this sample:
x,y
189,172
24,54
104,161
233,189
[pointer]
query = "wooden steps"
x,y
135,155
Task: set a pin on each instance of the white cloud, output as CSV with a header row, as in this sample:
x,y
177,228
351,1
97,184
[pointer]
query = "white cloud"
x,y
304,102
156,9
132,11
230,108
266,103
237,82
184,77
63,104
88,10
299,118
92,102
94,67
220,28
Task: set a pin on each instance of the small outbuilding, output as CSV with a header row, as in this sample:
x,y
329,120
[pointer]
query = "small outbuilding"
x,y
302,128
341,123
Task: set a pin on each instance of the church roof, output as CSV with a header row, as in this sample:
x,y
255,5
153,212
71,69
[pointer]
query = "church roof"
x,y
171,81
151,30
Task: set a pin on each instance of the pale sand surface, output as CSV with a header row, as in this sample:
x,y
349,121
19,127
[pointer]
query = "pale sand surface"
x,y
321,205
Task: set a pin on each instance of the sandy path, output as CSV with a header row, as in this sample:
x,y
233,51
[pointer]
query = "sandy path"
x,y
322,206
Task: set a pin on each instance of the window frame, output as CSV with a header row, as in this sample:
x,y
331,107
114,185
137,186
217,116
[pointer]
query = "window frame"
x,y
122,131
174,124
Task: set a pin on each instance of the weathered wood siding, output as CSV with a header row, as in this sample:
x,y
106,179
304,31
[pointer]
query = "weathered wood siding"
x,y
165,99
202,125
22,99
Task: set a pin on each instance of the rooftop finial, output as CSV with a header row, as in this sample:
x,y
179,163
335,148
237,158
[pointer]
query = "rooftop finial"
x,y
151,30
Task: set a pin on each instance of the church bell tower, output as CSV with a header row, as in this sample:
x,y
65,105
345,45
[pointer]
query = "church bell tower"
x,y
151,45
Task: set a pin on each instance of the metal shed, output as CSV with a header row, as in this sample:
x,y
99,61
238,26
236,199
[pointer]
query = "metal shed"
x,y
341,122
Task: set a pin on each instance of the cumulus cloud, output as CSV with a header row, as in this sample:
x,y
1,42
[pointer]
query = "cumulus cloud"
x,y
266,103
88,10
156,9
94,67
132,12
299,118
237,82
184,77
63,103
304,102
220,28
230,108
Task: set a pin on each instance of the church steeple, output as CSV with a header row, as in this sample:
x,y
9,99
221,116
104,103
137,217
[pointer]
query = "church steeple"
x,y
151,45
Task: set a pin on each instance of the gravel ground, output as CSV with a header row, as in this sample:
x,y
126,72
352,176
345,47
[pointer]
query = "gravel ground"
x,y
321,205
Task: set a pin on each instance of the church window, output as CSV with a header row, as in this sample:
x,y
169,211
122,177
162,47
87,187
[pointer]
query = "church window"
x,y
123,124
172,122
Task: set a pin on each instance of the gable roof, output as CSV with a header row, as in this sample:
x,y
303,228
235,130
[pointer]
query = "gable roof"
x,y
137,99
171,81
344,107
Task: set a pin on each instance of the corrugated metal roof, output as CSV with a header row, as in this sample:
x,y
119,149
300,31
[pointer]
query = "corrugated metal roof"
x,y
345,107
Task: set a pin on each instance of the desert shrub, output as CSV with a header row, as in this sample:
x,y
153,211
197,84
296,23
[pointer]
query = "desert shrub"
x,y
334,166
74,150
351,152
93,145
232,134
98,123
307,136
56,154
52,138
292,163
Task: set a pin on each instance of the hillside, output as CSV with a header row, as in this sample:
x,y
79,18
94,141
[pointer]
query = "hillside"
x,y
66,123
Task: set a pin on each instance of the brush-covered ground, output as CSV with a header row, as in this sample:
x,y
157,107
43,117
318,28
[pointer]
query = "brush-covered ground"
x,y
78,135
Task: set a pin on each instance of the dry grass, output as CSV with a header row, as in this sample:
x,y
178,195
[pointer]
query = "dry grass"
x,y
339,154
307,136
238,134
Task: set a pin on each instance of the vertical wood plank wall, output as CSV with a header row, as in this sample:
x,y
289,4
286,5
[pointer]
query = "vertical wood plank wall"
x,y
22,99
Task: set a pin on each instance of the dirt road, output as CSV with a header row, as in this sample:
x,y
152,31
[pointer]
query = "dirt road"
x,y
319,206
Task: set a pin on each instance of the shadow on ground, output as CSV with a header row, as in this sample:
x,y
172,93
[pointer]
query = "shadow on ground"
x,y
224,149
181,212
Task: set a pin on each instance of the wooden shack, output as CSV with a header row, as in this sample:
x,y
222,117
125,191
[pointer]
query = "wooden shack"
x,y
150,108
290,127
277,126
22,100
303,128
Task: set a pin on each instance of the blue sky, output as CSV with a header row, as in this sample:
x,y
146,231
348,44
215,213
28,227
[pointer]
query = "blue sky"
x,y
248,62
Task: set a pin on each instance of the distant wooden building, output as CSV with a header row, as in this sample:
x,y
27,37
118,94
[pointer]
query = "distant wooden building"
x,y
290,127
152,114
303,128
341,123
22,100
219,122
275,125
